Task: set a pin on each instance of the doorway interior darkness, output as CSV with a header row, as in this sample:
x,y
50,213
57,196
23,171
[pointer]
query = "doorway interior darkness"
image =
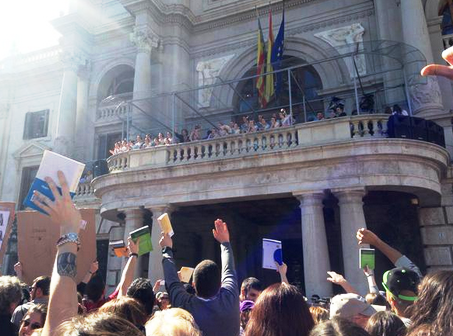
x,y
280,218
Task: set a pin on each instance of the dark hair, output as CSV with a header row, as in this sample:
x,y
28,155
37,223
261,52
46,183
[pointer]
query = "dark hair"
x,y
40,309
43,283
95,288
434,305
141,289
280,311
206,278
397,108
338,327
251,283
377,299
128,309
385,323
189,289
10,292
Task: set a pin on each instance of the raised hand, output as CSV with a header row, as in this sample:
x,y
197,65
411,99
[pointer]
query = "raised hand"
x,y
165,240
62,210
282,269
441,70
336,278
131,246
94,267
365,236
18,269
220,232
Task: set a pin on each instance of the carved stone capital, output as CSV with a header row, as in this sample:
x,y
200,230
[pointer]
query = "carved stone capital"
x,y
423,95
144,39
73,60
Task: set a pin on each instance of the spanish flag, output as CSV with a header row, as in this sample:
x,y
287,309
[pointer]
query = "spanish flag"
x,y
260,85
269,89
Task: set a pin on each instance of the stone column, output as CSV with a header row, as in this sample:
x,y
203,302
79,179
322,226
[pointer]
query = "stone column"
x,y
81,124
145,41
115,264
314,245
134,220
352,218
155,270
67,107
426,98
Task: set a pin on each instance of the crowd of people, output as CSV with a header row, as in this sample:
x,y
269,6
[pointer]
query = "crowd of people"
x,y
214,304
248,125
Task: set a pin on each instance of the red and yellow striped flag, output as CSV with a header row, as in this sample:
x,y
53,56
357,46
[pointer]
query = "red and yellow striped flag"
x,y
260,67
269,89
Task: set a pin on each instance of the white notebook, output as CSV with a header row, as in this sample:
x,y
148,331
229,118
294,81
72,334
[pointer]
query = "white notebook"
x,y
272,253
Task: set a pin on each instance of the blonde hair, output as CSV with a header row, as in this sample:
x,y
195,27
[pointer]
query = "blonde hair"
x,y
172,322
319,314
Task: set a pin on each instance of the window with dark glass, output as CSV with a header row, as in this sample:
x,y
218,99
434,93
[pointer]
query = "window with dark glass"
x,y
28,175
36,124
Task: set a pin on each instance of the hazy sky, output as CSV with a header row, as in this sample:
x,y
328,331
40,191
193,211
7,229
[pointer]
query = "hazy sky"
x,y
25,26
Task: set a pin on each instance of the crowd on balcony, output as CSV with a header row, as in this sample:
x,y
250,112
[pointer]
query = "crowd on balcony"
x,y
248,125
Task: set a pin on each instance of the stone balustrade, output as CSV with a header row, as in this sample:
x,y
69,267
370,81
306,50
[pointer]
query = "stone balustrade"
x,y
447,40
280,139
107,113
84,190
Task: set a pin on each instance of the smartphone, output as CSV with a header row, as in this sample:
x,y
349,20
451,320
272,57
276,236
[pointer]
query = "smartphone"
x,y
162,282
367,257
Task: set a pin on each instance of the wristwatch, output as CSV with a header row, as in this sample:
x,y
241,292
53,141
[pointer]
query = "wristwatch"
x,y
70,237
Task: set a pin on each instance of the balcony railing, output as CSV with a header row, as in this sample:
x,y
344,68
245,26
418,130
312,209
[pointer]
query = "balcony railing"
x,y
280,139
448,41
84,190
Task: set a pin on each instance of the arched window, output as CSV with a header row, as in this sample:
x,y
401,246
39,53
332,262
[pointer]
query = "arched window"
x,y
122,84
305,84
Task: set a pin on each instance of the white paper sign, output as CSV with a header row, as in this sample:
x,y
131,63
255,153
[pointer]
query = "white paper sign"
x,y
272,253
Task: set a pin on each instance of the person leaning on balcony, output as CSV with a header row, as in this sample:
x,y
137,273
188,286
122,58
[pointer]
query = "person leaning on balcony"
x,y
252,127
286,120
319,116
195,134
441,70
245,124
148,143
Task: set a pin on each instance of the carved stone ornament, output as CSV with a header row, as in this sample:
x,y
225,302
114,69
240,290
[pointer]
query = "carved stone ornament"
x,y
425,94
350,35
73,60
144,39
207,74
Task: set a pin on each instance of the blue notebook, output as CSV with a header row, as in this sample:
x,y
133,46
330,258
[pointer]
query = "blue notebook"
x,y
51,163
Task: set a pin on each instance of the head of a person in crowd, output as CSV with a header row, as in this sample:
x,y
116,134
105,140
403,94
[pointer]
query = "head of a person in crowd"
x,y
163,300
206,279
376,299
33,319
40,287
95,288
141,289
10,294
138,138
352,307
338,326
156,141
354,112
333,113
388,110
319,116
169,135
160,136
245,119
280,310
401,286
174,322
128,309
245,308
251,289
98,323
385,323
434,306
319,314
26,296
185,132
282,114
397,109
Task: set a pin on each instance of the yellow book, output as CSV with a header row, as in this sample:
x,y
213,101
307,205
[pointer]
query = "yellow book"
x,y
165,224
186,274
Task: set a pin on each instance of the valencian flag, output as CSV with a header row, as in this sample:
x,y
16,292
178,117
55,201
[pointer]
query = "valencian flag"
x,y
277,54
260,85
269,89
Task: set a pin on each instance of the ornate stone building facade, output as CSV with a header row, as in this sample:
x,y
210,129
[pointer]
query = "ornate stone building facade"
x,y
150,65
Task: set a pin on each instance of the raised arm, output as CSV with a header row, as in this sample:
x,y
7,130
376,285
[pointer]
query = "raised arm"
x,y
128,272
338,279
282,270
63,295
18,270
372,286
221,234
82,285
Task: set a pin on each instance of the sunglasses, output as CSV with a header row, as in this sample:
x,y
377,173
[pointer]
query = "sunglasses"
x,y
33,326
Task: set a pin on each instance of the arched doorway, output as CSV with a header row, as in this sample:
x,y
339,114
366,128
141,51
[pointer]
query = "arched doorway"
x,y
305,85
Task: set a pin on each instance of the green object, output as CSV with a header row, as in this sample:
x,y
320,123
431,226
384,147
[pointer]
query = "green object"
x,y
144,245
367,258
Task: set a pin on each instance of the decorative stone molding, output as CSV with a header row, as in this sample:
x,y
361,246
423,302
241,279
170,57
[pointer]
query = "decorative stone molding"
x,y
347,36
426,94
144,39
207,73
73,60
